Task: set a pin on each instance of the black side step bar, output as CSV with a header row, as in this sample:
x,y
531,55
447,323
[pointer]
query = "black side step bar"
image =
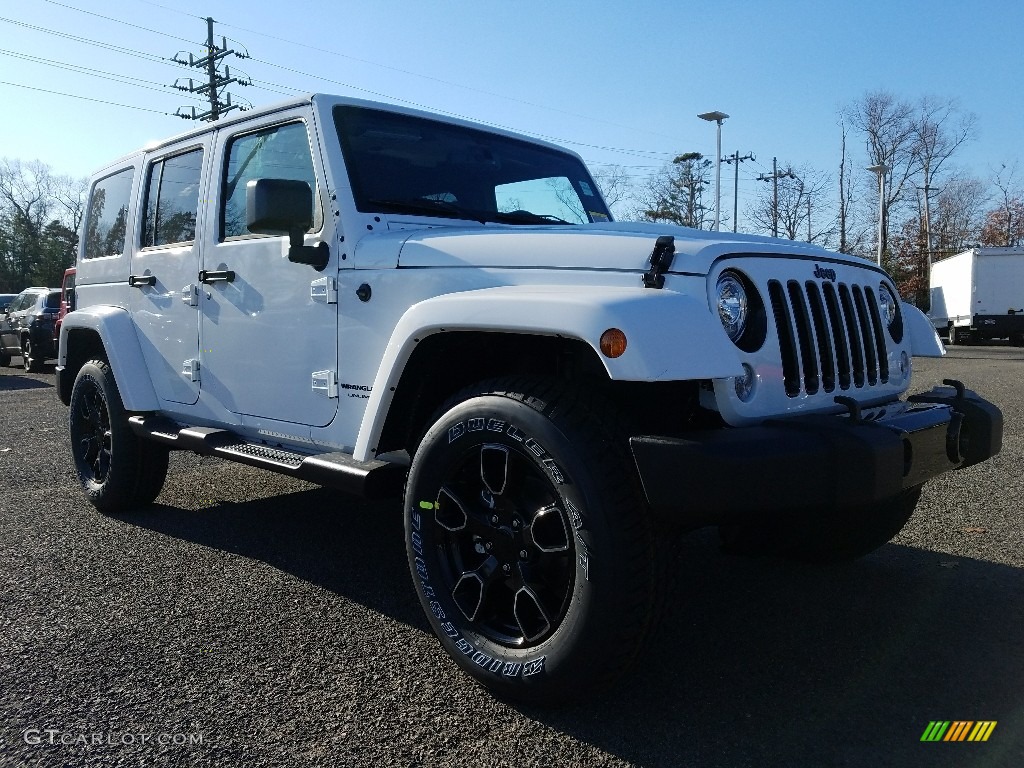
x,y
369,479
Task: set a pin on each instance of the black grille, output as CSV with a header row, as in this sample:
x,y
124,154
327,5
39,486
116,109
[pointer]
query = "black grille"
x,y
830,336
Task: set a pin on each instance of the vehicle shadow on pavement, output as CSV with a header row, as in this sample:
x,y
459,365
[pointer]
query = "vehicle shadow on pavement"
x,y
766,662
11,382
757,661
348,546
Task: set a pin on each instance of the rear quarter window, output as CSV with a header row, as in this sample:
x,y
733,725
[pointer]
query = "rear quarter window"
x,y
106,222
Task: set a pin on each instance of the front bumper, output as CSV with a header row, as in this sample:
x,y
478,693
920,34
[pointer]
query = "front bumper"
x,y
729,475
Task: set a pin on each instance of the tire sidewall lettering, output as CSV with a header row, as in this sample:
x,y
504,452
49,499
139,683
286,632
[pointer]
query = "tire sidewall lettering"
x,y
458,435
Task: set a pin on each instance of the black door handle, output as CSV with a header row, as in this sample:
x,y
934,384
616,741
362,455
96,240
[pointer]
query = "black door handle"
x,y
217,276
137,281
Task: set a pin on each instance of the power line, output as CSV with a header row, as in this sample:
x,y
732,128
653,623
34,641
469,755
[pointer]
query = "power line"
x,y
136,82
418,74
85,98
119,21
372,63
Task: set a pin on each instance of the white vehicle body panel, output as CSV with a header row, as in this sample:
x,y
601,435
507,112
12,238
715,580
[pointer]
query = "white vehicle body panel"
x,y
116,330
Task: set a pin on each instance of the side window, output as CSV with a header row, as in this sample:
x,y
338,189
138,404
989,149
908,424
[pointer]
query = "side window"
x,y
107,217
172,199
281,152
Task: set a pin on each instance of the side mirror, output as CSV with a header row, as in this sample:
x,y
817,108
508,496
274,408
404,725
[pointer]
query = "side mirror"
x,y
285,207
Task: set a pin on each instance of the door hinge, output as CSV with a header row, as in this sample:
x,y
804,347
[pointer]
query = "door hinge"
x,y
325,383
190,370
324,290
190,295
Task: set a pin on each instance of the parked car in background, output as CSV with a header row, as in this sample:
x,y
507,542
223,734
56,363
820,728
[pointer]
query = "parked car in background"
x,y
67,301
27,328
5,300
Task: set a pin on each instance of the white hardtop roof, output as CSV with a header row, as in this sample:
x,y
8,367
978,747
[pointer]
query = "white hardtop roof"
x,y
306,100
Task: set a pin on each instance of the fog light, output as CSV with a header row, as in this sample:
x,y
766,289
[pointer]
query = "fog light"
x,y
745,384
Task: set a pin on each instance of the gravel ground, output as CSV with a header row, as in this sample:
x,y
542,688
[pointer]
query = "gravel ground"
x,y
251,620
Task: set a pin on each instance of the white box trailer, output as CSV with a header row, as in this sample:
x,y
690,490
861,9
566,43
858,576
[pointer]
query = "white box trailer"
x,y
978,295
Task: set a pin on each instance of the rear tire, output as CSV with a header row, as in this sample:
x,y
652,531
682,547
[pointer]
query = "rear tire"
x,y
530,549
960,336
32,362
117,470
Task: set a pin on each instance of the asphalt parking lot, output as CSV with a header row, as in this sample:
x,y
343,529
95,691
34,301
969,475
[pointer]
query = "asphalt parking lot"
x,y
251,620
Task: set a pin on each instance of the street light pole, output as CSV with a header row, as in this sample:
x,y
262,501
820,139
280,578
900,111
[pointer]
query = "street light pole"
x,y
717,117
881,169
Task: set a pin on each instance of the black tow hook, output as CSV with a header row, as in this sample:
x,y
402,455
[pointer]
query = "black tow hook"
x,y
852,406
955,437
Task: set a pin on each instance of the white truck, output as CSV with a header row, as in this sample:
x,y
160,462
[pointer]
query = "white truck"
x,y
978,295
389,302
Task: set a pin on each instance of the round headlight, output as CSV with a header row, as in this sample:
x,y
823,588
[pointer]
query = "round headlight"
x,y
732,305
887,305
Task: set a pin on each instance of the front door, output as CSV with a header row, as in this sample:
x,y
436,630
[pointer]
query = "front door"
x,y
265,330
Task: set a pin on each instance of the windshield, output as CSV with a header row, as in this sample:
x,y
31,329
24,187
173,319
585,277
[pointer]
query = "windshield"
x,y
405,164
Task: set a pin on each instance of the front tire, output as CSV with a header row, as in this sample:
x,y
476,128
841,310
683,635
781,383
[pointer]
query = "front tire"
x,y
531,552
117,470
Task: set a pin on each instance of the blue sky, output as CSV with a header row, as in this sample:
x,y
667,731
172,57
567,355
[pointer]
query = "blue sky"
x,y
595,76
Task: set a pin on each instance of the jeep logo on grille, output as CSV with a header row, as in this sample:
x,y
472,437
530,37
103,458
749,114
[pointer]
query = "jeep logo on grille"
x,y
823,273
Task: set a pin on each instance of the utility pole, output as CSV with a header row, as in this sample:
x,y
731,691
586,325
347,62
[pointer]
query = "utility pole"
x,y
215,82
774,179
736,182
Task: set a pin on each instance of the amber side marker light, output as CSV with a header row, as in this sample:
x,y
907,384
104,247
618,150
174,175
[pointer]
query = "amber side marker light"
x,y
613,343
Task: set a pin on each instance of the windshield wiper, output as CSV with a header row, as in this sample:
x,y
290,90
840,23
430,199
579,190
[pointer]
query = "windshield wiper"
x,y
429,207
528,217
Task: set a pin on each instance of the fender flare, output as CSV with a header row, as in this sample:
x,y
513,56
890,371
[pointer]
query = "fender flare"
x,y
924,340
116,331
653,321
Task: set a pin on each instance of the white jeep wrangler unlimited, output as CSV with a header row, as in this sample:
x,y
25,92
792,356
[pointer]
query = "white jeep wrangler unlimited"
x,y
380,300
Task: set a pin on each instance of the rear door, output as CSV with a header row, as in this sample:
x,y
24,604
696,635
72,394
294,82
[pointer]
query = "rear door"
x,y
164,296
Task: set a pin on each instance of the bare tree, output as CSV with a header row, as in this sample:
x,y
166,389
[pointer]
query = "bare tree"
x,y
939,128
887,124
845,208
803,211
1004,225
39,217
614,183
958,215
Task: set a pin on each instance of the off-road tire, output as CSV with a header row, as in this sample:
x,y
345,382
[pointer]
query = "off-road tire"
x,y
530,549
118,471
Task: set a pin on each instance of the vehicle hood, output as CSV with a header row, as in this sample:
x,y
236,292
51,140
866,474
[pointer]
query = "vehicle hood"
x,y
618,246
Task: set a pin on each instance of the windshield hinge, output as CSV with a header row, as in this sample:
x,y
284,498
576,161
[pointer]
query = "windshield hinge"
x,y
661,260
